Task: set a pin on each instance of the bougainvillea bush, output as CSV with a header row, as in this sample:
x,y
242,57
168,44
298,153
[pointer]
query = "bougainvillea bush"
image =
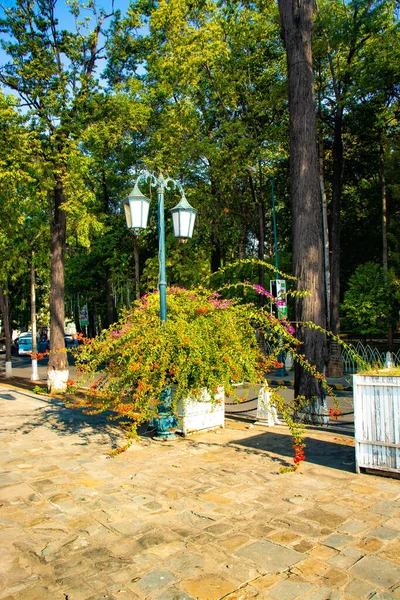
x,y
207,341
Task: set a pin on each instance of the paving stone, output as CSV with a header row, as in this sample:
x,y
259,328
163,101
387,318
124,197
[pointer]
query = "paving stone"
x,y
289,589
219,528
324,593
387,508
325,518
101,529
173,593
323,552
267,581
270,557
384,533
303,546
234,541
338,541
370,544
153,581
360,589
341,561
246,593
311,569
208,587
396,591
336,578
382,572
185,563
393,524
283,537
392,551
353,527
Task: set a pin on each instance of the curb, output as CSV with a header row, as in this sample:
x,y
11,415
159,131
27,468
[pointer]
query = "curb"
x,y
290,383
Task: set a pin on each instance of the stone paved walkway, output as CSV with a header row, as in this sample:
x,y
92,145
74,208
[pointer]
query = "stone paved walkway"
x,y
207,517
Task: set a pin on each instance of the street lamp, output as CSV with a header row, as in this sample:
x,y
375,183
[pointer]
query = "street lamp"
x,y
136,208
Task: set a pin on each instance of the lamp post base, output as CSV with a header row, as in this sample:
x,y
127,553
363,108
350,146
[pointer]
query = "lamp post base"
x,y
165,423
281,371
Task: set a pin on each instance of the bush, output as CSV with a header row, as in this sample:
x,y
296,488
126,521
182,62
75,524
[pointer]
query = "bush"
x,y
372,301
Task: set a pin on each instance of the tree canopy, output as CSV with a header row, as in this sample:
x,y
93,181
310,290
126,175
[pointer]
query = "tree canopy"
x,y
197,90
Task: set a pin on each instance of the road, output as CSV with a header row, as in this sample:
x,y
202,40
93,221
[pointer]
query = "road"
x,y
22,367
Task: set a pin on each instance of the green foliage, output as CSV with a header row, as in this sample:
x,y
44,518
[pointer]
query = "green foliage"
x,y
372,301
206,342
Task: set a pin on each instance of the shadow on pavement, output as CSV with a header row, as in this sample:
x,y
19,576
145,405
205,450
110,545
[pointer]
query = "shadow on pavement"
x,y
54,415
328,453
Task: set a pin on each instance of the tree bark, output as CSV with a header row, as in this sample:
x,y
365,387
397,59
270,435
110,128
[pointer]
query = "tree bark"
x,y
5,311
215,253
34,374
335,367
385,260
57,373
111,316
337,185
296,22
261,228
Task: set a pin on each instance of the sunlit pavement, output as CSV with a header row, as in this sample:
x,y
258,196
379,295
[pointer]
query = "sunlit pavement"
x,y
208,517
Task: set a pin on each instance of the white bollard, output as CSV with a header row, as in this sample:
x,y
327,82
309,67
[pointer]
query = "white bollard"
x,y
266,411
288,361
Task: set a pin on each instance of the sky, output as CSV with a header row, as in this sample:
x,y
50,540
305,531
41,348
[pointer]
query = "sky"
x,y
66,20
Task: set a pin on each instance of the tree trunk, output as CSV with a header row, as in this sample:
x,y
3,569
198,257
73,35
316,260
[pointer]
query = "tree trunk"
x,y
385,261
296,23
111,316
384,209
215,253
57,374
335,363
324,206
261,229
34,374
91,328
5,311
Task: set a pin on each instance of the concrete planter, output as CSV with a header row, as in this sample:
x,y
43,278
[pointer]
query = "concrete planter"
x,y
201,414
377,422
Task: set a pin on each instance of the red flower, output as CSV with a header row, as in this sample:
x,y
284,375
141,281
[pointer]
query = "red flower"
x,y
334,413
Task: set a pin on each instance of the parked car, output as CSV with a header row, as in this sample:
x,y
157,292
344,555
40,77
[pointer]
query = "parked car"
x,y
2,344
69,340
25,344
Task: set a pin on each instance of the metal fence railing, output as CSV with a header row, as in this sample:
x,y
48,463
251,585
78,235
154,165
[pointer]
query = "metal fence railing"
x,y
353,356
368,354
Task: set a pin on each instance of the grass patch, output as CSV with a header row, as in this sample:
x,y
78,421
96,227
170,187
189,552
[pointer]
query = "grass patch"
x,y
381,372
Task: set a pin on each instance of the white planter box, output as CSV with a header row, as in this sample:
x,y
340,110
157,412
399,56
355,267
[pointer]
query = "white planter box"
x,y
377,422
201,414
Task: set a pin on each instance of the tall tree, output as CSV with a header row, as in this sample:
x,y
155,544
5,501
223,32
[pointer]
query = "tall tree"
x,y
354,54
297,25
17,191
220,112
53,72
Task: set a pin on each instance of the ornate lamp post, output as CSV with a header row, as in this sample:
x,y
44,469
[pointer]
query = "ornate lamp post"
x,y
136,208
281,371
